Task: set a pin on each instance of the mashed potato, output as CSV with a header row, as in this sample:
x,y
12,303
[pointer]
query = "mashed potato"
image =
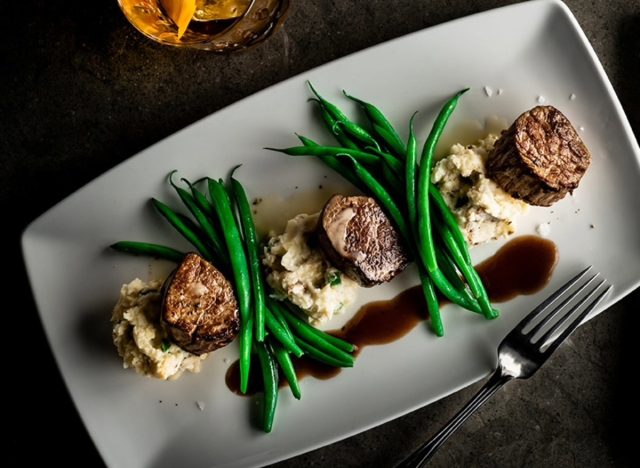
x,y
299,272
485,212
141,341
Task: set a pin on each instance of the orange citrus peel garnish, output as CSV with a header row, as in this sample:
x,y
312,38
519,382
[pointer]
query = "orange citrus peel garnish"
x,y
181,12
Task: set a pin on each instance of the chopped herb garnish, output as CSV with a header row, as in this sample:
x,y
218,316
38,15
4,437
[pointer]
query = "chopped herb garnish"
x,y
165,345
335,279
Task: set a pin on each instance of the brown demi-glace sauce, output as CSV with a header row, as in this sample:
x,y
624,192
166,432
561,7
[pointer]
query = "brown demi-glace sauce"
x,y
522,266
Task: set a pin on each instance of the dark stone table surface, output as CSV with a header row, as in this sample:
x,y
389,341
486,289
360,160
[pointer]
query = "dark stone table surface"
x,y
82,91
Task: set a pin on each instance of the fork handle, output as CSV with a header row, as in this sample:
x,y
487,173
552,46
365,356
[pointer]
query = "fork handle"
x,y
423,453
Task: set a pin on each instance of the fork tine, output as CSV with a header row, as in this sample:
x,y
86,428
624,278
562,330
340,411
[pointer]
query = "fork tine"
x,y
566,313
551,300
559,307
576,322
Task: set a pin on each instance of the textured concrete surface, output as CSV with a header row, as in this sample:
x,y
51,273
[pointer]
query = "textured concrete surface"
x,y
83,91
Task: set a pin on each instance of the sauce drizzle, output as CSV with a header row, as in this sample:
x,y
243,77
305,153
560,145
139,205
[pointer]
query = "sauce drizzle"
x,y
523,265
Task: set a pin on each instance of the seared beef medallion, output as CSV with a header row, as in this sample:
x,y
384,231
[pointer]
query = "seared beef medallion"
x,y
358,238
540,158
199,310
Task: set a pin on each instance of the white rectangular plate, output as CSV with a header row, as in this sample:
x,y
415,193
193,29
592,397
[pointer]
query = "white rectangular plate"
x,y
530,51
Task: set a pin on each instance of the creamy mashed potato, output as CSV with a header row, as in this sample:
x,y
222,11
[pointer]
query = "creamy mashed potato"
x,y
141,341
298,271
485,212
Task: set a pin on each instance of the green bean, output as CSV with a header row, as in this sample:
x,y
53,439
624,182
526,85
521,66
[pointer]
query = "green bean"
x,y
383,198
389,139
382,126
426,243
410,176
151,250
391,178
278,316
393,182
277,307
203,203
335,341
283,358
302,332
428,289
321,356
197,230
202,219
251,243
324,151
333,110
424,181
337,119
393,163
182,227
452,238
431,298
307,141
425,235
449,269
450,220
357,132
270,381
279,332
470,274
209,211
246,342
219,259
450,292
240,269
335,130
333,163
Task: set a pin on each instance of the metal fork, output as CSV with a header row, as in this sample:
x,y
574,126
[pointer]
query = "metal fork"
x,y
521,353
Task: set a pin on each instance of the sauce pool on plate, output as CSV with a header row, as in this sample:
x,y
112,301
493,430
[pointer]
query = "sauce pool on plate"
x,y
523,265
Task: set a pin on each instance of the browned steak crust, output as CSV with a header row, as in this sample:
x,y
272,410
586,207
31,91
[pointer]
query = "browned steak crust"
x,y
199,310
540,158
358,238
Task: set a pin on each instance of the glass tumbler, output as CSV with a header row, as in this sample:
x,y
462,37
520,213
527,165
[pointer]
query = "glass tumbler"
x,y
216,25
